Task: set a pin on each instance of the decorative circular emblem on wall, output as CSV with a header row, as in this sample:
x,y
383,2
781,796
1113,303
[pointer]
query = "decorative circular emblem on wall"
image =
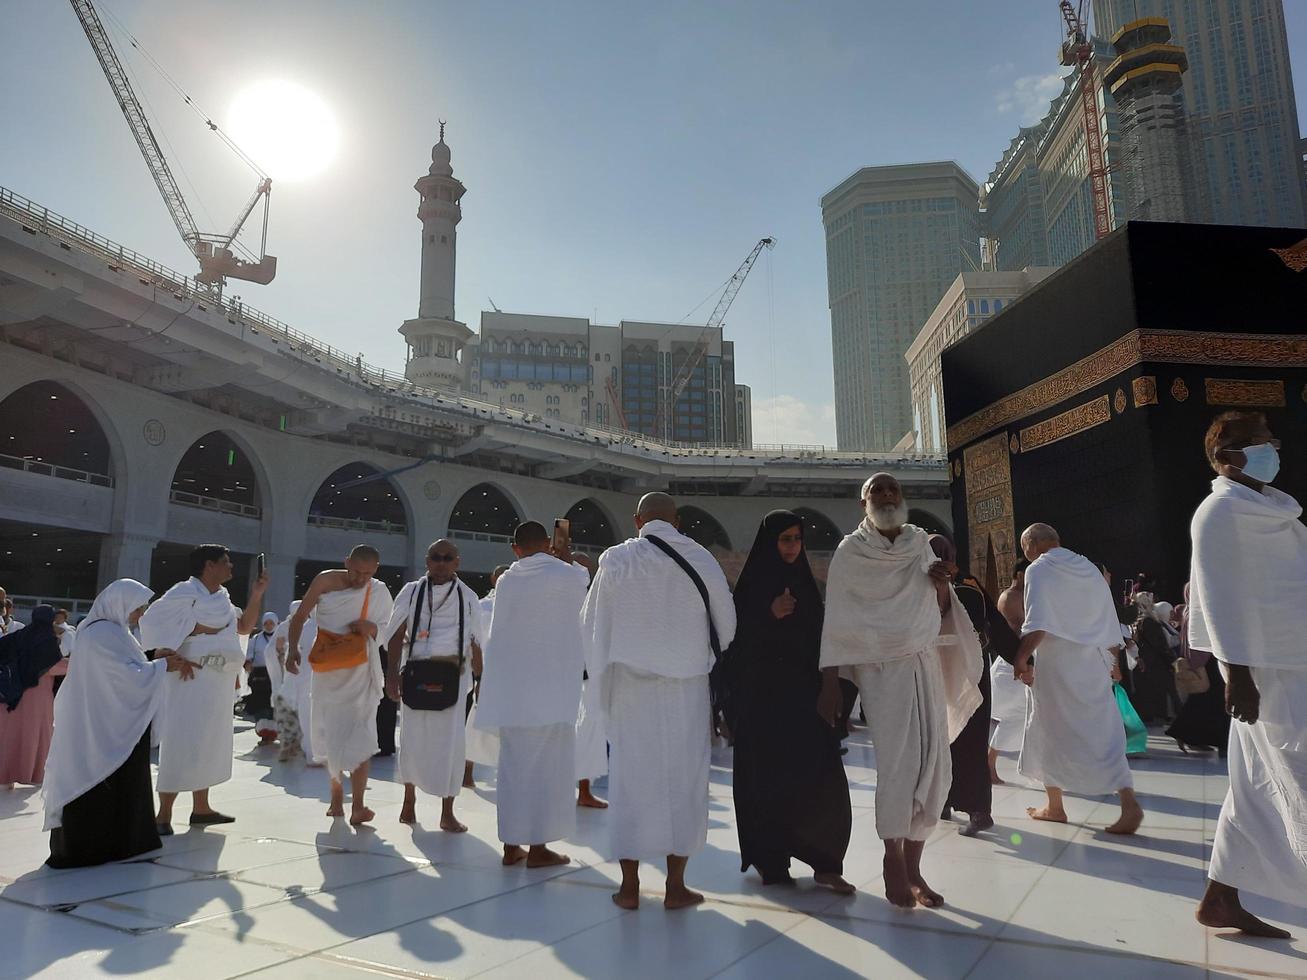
x,y
1179,390
1014,443
431,490
1118,401
154,432
957,463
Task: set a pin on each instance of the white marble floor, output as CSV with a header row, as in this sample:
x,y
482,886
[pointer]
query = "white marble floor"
x,y
284,892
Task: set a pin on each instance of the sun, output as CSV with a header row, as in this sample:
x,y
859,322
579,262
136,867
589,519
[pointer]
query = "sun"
x,y
285,128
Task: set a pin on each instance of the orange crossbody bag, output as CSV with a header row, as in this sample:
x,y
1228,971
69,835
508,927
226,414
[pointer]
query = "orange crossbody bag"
x,y
338,651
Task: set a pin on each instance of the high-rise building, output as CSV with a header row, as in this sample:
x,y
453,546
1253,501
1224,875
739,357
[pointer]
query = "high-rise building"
x,y
1242,120
573,370
1145,79
970,300
896,236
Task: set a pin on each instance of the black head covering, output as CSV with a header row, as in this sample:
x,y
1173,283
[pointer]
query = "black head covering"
x,y
26,654
766,575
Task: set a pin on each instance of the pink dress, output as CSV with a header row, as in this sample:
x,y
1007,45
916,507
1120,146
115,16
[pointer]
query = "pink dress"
x,y
25,732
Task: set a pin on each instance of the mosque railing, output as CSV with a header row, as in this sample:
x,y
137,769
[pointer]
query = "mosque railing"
x,y
352,524
188,499
484,536
50,469
355,370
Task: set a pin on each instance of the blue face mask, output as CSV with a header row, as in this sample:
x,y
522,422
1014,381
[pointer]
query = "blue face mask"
x,y
1261,462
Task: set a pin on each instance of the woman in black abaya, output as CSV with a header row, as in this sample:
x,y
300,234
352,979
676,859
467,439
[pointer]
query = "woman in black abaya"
x,y
791,793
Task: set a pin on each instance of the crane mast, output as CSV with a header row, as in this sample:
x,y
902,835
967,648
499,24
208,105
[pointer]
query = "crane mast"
x,y
213,251
665,423
1078,50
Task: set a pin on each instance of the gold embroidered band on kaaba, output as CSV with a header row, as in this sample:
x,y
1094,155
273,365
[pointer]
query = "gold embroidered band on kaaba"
x,y
1136,347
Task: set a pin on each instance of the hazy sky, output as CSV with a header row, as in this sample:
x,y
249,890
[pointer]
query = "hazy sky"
x,y
621,158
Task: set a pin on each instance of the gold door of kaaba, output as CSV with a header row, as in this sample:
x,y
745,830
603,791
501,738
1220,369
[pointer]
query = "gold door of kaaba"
x,y
990,521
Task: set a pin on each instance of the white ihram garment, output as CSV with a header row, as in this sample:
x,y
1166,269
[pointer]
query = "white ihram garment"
x,y
482,745
1007,708
645,634
1247,587
532,696
432,744
195,720
591,735
917,672
1074,739
109,697
344,702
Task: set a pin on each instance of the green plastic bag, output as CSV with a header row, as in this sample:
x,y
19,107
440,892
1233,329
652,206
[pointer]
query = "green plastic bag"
x,y
1136,734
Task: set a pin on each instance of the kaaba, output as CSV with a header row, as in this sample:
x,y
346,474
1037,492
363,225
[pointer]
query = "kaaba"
x,y
1084,403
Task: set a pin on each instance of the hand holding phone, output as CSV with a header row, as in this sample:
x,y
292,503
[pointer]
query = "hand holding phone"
x,y
562,543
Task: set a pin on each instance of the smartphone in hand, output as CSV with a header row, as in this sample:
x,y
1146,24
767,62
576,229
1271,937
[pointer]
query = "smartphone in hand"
x,y
562,535
261,565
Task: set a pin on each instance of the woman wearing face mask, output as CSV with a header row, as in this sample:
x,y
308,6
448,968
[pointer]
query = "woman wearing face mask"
x,y
791,794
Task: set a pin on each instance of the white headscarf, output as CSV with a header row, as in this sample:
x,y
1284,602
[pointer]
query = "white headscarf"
x,y
106,702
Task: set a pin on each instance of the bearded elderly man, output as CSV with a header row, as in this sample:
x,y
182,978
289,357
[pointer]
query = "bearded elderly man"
x,y
1248,584
894,626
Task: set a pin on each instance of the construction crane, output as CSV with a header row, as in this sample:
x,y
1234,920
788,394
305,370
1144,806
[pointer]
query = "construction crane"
x,y
213,251
1078,51
664,424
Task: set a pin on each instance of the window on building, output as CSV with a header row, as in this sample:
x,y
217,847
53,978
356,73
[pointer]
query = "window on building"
x,y
984,306
971,307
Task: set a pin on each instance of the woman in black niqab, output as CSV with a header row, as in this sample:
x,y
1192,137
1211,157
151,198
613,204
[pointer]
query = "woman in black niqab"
x,y
791,793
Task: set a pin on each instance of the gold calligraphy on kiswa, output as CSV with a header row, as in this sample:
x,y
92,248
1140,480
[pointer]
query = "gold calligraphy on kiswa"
x,y
990,521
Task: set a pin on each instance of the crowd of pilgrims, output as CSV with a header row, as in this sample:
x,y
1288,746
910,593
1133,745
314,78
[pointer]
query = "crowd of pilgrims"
x,y
567,672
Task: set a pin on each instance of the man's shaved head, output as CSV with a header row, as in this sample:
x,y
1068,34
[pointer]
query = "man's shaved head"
x,y
656,506
880,481
1037,539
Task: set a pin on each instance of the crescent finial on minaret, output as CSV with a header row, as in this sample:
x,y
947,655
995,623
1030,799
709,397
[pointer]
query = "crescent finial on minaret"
x,y
442,130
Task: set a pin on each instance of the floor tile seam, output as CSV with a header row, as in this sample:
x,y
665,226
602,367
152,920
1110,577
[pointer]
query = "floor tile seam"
x,y
1104,951
377,968
781,934
204,924
710,899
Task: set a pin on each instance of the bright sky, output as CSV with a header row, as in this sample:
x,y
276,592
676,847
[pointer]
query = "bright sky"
x,y
621,159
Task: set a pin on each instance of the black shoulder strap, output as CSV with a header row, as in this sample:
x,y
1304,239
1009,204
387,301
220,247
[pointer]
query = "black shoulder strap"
x,y
686,567
417,613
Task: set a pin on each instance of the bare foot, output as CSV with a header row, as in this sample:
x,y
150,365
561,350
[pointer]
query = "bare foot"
x,y
450,824
513,855
1227,913
924,894
591,801
1131,817
360,815
468,783
995,779
408,814
336,809
897,889
627,898
680,898
1046,813
836,883
543,857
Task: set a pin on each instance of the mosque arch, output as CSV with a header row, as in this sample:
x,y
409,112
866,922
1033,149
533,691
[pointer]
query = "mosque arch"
x,y
220,471
48,427
591,524
927,521
702,527
484,509
819,531
357,496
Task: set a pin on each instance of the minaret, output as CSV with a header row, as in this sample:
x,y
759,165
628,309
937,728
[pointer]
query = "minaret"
x,y
435,339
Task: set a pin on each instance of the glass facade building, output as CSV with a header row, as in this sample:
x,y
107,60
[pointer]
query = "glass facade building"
x,y
896,237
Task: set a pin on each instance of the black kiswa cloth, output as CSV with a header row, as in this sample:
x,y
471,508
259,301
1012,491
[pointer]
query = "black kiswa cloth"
x,y
791,793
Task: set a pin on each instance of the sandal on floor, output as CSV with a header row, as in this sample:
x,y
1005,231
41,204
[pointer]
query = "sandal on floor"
x,y
204,819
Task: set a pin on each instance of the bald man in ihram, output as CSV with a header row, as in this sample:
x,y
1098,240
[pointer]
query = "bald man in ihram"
x,y
646,639
894,627
1074,739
